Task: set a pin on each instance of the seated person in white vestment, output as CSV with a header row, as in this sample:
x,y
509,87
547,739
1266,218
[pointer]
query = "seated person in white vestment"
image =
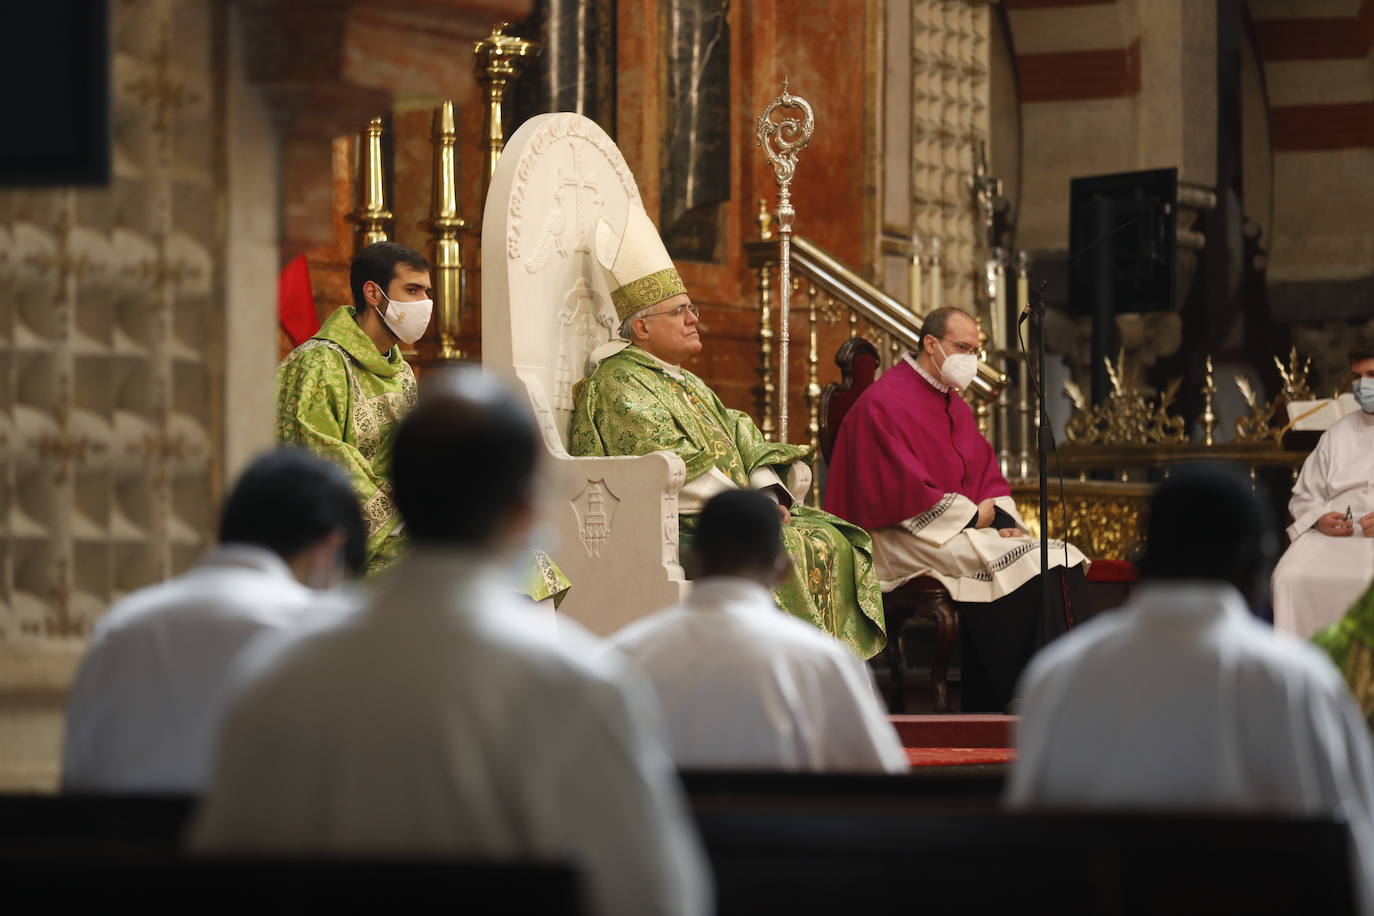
x,y
1182,698
1330,561
742,683
443,715
142,713
911,467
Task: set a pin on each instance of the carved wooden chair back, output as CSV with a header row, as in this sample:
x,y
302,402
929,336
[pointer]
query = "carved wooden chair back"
x,y
858,362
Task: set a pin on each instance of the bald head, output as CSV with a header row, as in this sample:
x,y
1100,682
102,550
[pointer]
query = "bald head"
x,y
463,465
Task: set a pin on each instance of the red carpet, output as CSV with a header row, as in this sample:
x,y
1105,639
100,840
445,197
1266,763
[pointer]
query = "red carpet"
x,y
932,741
958,756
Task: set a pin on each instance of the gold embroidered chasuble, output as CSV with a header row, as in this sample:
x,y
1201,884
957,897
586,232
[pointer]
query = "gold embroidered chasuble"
x,y
632,406
340,398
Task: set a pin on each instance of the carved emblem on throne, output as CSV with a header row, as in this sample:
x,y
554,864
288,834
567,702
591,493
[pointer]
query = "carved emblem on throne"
x,y
595,507
585,323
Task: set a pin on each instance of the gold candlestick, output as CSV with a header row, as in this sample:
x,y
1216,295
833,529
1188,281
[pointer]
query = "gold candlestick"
x,y
498,60
371,214
445,227
1209,417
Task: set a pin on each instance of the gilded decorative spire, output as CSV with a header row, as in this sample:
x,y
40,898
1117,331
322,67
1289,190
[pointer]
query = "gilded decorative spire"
x,y
445,226
371,215
498,60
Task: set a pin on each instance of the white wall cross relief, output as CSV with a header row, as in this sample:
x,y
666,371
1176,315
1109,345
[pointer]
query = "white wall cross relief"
x,y
580,181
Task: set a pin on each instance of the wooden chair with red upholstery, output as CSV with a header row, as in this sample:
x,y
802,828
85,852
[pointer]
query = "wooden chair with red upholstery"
x,y
922,597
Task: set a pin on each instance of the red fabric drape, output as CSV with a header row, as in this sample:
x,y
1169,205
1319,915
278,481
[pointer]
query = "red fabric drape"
x,y
296,302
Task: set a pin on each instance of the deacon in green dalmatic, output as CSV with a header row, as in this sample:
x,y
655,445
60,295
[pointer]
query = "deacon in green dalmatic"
x,y
343,392
641,400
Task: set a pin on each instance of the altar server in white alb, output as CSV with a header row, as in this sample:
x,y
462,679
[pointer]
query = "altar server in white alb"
x,y
142,713
1182,699
744,685
1330,562
444,716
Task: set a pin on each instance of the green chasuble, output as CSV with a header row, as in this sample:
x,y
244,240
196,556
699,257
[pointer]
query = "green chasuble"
x,y
1350,643
631,406
340,398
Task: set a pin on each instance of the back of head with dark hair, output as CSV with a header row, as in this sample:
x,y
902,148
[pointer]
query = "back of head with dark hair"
x,y
1209,521
937,321
377,262
289,499
1362,350
738,531
464,458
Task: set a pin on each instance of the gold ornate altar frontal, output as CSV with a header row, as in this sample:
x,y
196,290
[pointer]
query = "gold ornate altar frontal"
x,y
1106,518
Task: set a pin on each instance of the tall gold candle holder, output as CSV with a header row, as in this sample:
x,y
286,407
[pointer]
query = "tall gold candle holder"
x,y
498,61
446,226
371,215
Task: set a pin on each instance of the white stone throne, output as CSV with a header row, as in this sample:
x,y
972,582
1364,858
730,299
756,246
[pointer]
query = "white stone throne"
x,y
545,308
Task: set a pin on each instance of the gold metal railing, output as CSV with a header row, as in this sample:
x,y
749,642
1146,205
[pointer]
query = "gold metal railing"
x,y
830,292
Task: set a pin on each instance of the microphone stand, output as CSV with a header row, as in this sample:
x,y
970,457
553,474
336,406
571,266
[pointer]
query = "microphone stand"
x,y
1044,434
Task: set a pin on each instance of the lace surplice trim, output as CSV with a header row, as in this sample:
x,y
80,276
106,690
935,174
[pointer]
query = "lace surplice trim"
x,y
916,523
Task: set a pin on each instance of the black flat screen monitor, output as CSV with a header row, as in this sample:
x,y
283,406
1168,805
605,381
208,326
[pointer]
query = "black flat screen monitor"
x,y
57,95
1140,209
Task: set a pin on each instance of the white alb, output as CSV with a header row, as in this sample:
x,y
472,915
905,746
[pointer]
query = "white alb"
x,y
744,685
1320,576
444,716
147,698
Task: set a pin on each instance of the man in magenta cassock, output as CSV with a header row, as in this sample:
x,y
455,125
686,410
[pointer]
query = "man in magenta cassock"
x,y
910,466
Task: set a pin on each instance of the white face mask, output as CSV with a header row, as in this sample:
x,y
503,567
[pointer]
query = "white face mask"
x,y
407,320
1363,390
958,370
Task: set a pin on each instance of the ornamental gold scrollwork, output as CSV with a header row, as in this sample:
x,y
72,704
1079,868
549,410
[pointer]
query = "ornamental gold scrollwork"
x,y
1126,416
1267,420
1105,526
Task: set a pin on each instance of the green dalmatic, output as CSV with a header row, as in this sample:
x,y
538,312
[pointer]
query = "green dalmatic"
x,y
342,399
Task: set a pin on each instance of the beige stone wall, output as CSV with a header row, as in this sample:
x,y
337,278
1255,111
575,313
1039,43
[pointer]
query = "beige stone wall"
x,y
141,377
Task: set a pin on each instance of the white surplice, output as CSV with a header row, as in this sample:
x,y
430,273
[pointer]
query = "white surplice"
x,y
1181,699
1319,576
444,716
142,712
743,685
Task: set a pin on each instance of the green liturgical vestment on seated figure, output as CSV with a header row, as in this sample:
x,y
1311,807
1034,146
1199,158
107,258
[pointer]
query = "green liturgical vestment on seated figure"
x,y
632,405
340,398
1350,643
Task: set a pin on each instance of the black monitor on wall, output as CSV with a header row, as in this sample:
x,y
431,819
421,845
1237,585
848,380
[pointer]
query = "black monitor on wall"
x,y
1132,213
57,93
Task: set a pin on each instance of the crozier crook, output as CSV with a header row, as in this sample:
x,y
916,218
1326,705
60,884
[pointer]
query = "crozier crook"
x,y
782,140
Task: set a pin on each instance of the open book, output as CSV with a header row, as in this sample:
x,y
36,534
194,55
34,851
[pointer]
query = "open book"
x,y
1318,415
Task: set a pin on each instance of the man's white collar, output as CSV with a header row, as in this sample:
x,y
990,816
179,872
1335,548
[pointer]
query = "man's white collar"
x,y
668,368
938,385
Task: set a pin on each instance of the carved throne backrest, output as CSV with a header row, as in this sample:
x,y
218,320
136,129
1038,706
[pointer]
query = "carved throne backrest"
x,y
545,304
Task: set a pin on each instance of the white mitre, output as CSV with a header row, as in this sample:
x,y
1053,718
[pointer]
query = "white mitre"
x,y
638,271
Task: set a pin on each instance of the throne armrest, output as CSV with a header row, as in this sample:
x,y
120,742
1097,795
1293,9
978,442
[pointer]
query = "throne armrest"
x,y
617,523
